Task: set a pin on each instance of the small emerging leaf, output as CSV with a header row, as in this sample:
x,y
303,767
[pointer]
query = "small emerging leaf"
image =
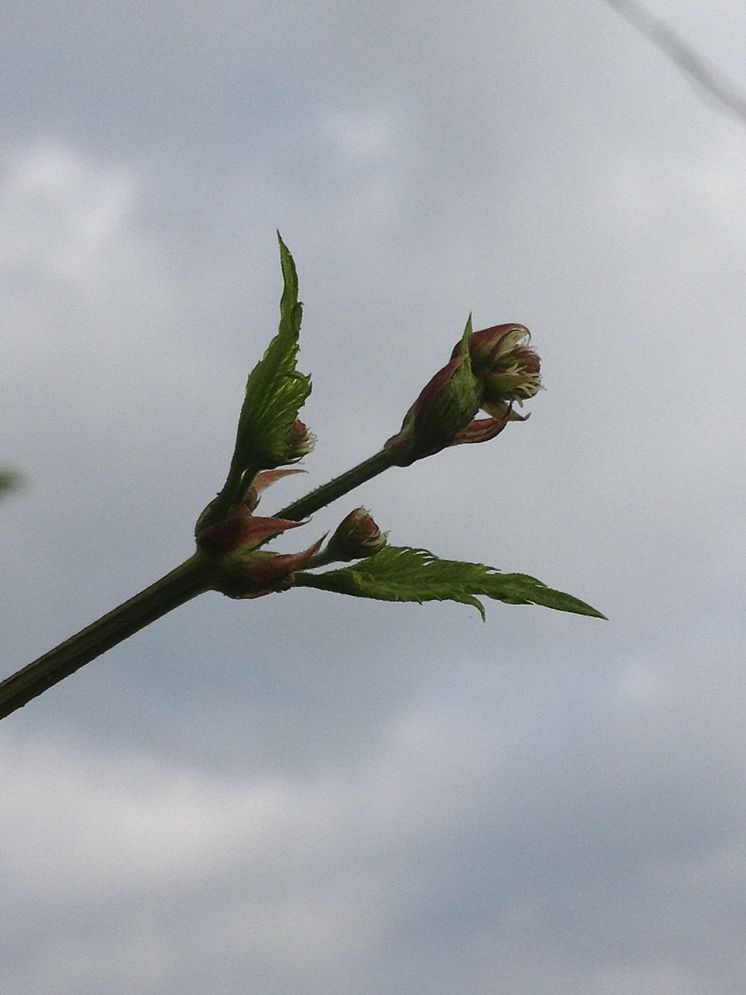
x,y
460,401
8,480
400,573
275,391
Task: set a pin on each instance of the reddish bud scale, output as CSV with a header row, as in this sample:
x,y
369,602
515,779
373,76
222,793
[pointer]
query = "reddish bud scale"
x,y
484,429
261,572
263,480
240,530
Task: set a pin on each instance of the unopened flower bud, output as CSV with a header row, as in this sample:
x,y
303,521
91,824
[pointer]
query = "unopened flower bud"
x,y
489,370
356,537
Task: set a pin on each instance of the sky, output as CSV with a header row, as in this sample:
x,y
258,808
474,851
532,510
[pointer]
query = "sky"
x,y
315,794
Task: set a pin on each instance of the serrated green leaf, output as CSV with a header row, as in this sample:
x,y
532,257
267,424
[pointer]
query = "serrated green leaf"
x,y
401,573
520,589
275,390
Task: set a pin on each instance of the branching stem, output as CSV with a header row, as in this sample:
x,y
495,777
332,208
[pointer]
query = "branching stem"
x,y
191,578
336,488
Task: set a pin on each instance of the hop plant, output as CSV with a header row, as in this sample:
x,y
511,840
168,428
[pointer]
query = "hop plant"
x,y
493,371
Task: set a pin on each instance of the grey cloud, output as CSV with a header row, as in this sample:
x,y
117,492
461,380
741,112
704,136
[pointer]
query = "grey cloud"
x,y
541,803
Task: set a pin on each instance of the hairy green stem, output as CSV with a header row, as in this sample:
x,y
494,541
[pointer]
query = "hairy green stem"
x,y
179,586
336,488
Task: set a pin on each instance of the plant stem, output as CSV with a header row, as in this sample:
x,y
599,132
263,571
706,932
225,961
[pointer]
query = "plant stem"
x,y
190,578
336,488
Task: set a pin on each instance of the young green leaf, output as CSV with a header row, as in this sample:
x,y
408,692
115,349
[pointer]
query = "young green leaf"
x,y
275,390
400,573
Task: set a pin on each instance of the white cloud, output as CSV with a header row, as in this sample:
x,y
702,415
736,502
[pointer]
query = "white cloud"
x,y
361,137
694,191
62,214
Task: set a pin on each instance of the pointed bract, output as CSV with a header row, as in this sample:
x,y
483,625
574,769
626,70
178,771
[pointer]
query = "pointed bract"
x,y
239,530
263,572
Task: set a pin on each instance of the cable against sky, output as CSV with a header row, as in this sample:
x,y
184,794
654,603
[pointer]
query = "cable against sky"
x,y
713,85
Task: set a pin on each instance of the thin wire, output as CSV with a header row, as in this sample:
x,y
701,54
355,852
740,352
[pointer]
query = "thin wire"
x,y
713,85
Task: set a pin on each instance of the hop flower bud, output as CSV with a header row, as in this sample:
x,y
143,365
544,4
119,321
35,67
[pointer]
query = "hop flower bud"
x,y
506,368
489,370
300,442
356,536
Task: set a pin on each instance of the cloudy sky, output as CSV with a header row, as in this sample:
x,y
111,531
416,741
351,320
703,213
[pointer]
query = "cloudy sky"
x,y
312,794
